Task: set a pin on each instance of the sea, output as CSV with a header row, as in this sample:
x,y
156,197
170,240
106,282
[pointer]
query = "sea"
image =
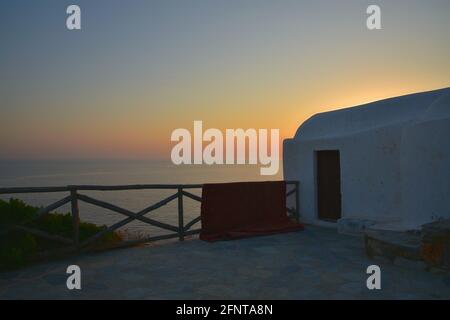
x,y
40,173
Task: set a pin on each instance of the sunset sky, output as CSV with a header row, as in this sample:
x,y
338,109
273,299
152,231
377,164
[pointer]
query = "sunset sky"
x,y
139,69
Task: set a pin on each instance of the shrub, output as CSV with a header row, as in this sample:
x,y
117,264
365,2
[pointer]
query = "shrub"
x,y
18,248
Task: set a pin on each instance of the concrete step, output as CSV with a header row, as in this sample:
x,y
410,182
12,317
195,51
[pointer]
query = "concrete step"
x,y
393,244
436,244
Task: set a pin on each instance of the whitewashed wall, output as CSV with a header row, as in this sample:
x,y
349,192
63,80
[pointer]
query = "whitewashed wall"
x,y
395,160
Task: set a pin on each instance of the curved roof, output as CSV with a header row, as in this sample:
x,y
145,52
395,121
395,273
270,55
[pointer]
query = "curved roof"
x,y
398,110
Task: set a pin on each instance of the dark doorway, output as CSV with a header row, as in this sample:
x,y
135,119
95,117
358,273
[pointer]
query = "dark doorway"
x,y
328,184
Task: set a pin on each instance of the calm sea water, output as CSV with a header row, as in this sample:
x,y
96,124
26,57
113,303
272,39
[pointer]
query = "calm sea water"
x,y
62,173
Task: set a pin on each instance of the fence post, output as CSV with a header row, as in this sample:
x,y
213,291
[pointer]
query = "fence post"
x,y
297,201
75,217
180,214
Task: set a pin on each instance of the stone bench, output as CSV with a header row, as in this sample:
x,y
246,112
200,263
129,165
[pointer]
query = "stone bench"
x,y
392,245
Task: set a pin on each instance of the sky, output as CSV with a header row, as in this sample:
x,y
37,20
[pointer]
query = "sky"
x,y
140,69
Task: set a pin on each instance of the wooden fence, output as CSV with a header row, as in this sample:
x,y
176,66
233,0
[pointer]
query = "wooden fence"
x,y
182,230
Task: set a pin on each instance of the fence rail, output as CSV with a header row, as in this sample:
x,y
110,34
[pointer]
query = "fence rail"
x,y
180,231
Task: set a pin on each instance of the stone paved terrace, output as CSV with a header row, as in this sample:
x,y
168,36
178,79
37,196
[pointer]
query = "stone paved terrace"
x,y
317,263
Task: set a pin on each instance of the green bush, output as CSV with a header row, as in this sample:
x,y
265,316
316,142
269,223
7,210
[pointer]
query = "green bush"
x,y
18,248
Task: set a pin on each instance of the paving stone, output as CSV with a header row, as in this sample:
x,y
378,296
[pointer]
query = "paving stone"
x,y
94,285
137,293
317,263
410,264
56,279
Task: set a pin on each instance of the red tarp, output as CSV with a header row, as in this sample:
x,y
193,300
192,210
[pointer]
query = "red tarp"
x,y
244,209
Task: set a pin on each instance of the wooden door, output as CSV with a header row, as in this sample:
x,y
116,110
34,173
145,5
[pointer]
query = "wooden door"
x,y
328,184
